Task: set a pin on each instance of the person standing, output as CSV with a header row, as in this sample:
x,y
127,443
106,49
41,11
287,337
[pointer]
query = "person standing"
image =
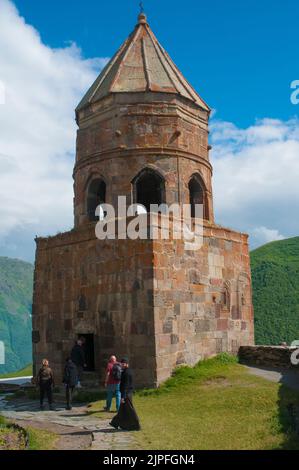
x,y
126,417
78,358
70,379
127,381
112,382
45,381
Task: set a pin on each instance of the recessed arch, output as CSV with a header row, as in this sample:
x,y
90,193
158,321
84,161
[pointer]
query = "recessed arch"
x,y
96,195
226,295
198,195
148,188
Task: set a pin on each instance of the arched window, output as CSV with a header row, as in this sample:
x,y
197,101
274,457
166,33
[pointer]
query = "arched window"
x,y
82,303
149,188
96,196
225,297
197,196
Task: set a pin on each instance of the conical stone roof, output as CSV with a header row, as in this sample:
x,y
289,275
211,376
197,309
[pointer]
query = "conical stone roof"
x,y
141,65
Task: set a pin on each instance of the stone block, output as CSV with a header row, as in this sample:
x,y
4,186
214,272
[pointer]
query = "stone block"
x,y
168,326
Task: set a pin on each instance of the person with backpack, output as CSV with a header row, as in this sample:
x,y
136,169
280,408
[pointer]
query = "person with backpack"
x,y
112,383
45,381
70,380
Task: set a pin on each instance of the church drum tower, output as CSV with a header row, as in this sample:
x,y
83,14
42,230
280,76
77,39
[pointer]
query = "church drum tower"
x,y
143,134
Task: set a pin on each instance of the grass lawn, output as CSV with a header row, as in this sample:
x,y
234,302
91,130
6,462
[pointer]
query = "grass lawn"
x,y
27,371
215,405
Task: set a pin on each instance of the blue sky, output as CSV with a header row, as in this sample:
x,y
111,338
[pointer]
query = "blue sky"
x,y
240,56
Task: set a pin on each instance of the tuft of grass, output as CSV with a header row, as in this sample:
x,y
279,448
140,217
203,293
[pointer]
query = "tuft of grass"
x,y
41,440
215,405
2,421
11,437
185,375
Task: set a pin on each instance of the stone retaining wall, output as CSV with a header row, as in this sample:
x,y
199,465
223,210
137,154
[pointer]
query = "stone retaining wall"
x,y
269,356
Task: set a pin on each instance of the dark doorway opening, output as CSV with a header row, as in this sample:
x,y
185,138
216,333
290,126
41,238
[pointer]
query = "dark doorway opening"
x,y
88,347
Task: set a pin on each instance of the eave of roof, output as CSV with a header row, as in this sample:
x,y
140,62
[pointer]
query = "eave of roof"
x,y
141,65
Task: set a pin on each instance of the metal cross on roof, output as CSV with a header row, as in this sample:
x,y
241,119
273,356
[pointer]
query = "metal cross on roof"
x,y
141,7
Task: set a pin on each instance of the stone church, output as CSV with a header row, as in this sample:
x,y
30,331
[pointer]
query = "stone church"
x,y
143,134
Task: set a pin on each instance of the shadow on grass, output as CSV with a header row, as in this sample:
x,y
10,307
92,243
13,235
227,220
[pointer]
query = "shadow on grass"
x,y
287,420
288,411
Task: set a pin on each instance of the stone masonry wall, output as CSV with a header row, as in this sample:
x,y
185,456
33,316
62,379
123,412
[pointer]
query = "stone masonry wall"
x,y
83,285
202,299
151,300
268,356
123,136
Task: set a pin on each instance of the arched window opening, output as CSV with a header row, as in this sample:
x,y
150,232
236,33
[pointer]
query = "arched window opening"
x,y
225,297
197,196
96,196
82,303
243,294
149,189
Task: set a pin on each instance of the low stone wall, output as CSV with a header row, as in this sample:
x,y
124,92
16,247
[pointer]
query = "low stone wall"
x,y
269,356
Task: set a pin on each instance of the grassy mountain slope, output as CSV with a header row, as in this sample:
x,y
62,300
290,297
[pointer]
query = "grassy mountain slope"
x,y
275,278
16,279
25,372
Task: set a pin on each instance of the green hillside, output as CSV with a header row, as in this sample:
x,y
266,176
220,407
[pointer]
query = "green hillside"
x,y
275,278
16,280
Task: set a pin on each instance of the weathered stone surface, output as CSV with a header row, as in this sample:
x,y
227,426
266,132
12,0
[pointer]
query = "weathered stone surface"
x,y
149,299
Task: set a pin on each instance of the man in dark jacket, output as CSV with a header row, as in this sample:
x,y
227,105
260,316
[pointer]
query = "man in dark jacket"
x,y
70,379
78,358
127,381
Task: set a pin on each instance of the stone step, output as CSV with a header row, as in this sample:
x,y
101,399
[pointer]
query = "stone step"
x,y
91,379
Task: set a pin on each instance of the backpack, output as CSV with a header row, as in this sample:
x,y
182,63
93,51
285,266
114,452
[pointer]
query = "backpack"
x,y
116,371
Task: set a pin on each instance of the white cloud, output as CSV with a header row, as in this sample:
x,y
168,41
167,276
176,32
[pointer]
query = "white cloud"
x,y
256,170
265,235
41,87
256,176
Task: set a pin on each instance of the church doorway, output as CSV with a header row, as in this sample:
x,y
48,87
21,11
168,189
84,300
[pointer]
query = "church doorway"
x,y
89,350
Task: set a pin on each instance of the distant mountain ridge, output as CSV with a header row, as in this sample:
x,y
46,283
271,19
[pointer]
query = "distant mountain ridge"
x,y
16,283
275,281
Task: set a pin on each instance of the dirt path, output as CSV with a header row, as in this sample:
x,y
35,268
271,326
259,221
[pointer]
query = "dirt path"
x,y
76,428
288,377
